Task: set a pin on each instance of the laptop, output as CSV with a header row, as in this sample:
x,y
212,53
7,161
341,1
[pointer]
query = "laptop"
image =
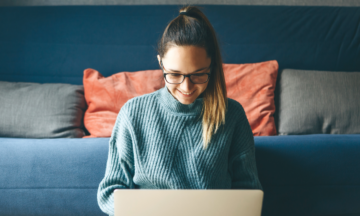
x,y
146,202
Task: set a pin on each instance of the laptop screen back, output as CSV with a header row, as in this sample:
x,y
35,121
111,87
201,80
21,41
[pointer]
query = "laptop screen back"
x,y
135,202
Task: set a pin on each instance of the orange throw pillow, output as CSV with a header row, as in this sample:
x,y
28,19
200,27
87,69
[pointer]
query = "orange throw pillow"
x,y
253,85
106,95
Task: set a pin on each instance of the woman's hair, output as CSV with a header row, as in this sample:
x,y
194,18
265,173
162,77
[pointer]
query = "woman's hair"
x,y
192,28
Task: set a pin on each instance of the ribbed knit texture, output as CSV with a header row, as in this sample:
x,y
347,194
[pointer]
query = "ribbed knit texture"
x,y
157,143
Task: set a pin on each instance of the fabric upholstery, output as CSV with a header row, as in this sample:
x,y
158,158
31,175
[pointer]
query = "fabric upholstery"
x,y
319,102
106,95
124,38
300,175
253,86
51,176
34,110
309,174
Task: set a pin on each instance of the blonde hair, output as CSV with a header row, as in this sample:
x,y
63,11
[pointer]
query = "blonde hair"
x,y
193,28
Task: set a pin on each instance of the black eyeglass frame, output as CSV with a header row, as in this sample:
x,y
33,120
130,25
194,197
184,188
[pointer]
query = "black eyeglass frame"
x,y
184,76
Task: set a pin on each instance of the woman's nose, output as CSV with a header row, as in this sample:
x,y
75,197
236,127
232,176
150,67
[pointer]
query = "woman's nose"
x,y
187,85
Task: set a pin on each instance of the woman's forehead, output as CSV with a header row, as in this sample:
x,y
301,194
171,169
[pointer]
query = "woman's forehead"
x,y
186,58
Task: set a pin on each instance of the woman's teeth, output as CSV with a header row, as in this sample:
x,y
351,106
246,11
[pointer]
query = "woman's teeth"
x,y
186,93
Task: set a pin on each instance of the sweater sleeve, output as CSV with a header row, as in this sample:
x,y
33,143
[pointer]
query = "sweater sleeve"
x,y
120,164
242,163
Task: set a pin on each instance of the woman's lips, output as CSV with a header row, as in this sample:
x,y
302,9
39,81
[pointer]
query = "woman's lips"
x,y
186,95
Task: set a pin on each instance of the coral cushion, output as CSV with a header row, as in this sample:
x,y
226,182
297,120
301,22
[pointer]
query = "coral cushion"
x,y
253,85
105,96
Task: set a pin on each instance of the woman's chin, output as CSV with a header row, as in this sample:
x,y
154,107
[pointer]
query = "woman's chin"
x,y
183,98
186,100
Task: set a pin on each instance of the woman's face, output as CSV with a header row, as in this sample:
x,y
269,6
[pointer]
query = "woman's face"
x,y
186,60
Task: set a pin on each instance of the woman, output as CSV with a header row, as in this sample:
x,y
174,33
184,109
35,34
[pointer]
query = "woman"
x,y
187,135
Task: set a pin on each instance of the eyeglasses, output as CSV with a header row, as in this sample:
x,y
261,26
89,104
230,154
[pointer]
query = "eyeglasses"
x,y
175,78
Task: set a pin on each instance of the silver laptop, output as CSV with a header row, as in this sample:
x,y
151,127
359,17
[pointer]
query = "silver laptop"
x,y
135,202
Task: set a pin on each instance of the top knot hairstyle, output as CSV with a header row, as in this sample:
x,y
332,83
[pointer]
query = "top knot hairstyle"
x,y
192,28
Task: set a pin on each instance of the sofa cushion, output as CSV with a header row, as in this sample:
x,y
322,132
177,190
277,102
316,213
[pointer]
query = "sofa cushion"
x,y
305,175
34,110
253,86
319,102
301,175
51,176
106,95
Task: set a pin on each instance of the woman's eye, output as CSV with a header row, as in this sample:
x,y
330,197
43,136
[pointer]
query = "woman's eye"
x,y
199,75
175,75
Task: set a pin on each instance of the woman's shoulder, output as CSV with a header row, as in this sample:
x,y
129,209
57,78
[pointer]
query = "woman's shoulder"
x,y
234,105
235,109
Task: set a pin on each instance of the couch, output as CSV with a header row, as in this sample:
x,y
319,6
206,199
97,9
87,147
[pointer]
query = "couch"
x,y
304,174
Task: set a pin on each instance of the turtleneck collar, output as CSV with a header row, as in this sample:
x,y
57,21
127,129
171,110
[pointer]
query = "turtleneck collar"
x,y
171,104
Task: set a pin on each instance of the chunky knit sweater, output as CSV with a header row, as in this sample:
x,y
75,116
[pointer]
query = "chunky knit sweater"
x,y
156,143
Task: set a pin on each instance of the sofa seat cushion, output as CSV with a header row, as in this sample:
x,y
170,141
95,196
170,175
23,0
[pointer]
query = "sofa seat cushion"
x,y
309,174
301,175
51,176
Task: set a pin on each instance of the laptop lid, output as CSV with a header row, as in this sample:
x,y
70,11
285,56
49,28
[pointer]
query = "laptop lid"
x,y
135,202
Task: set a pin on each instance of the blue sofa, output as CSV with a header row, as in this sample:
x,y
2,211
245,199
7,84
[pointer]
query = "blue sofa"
x,y
308,175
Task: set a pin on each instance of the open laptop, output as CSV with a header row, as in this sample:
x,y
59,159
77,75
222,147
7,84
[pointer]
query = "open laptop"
x,y
135,202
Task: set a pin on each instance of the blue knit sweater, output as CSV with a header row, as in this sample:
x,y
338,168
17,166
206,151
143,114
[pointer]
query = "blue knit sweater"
x,y
156,143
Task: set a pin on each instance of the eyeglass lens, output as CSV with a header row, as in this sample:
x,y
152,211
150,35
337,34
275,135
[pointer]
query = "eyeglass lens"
x,y
179,78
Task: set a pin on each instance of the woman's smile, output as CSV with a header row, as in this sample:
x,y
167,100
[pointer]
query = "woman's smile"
x,y
186,94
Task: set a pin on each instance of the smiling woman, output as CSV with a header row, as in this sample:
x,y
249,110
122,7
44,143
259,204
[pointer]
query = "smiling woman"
x,y
189,44
176,137
186,58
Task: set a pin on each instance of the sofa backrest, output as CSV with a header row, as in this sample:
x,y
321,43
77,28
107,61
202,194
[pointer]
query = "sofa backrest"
x,y
55,44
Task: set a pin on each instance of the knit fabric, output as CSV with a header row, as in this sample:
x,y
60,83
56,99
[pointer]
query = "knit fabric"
x,y
157,143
